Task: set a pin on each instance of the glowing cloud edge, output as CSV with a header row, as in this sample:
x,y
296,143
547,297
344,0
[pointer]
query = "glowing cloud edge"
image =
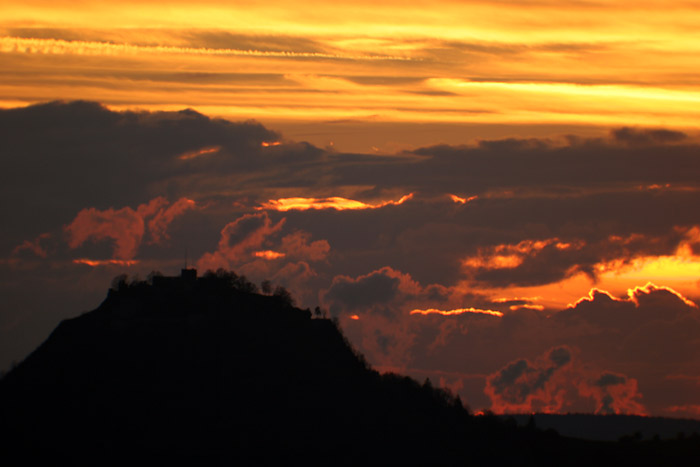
x,y
335,202
458,311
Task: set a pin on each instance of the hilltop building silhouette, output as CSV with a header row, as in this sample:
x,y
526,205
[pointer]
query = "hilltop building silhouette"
x,y
186,280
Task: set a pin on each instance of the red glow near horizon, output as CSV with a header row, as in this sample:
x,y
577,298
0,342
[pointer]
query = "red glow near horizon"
x,y
267,144
106,262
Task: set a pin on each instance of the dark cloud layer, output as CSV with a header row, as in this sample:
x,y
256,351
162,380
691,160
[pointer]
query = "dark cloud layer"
x,y
63,157
363,292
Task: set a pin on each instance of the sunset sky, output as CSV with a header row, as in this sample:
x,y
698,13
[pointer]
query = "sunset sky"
x,y
503,196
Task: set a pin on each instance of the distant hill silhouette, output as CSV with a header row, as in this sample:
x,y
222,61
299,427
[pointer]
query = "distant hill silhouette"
x,y
206,371
613,427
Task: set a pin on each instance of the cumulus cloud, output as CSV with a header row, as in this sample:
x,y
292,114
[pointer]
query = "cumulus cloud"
x,y
238,240
642,305
126,226
158,225
374,309
615,394
299,245
646,137
555,383
371,293
523,386
35,246
294,275
364,292
615,349
255,245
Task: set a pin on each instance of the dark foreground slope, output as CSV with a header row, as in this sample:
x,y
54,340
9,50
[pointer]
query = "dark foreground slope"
x,y
208,373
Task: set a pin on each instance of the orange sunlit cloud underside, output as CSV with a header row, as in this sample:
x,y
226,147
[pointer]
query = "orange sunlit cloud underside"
x,y
510,62
460,200
269,255
633,294
676,273
201,152
105,262
458,311
337,203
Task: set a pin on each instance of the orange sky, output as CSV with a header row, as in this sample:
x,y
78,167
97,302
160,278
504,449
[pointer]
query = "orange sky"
x,y
447,62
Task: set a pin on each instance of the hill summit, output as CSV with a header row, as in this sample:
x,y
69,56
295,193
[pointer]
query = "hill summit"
x,y
185,367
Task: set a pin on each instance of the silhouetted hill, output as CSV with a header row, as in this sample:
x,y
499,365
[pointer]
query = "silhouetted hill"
x,y
612,427
207,371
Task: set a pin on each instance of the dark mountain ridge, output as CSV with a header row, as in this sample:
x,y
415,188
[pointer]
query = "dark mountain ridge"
x,y
612,427
187,369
